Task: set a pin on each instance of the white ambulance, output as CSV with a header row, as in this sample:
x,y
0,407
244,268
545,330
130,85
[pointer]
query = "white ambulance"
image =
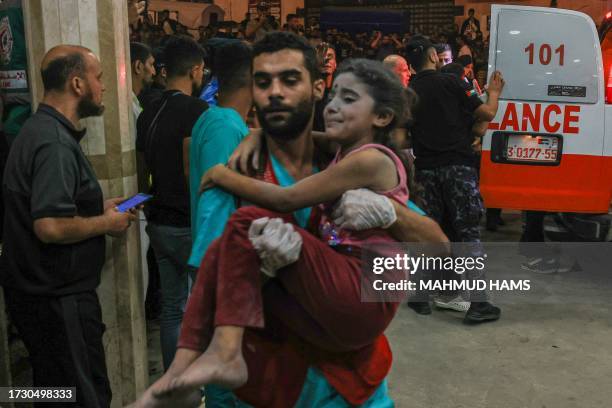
x,y
550,146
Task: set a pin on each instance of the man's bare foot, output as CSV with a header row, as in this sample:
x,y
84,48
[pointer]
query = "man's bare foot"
x,y
229,372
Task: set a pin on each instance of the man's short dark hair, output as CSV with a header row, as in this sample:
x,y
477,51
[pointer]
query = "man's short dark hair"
x,y
181,54
454,68
139,52
158,54
61,69
471,11
417,52
282,40
291,16
442,47
233,64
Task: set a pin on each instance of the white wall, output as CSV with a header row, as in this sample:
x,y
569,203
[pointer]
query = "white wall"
x,y
290,6
234,9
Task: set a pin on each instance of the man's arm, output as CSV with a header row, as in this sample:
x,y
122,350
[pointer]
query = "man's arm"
x,y
213,207
55,178
135,8
363,209
70,230
253,26
487,111
374,44
398,43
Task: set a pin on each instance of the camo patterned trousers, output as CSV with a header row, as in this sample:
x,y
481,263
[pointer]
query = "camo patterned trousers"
x,y
451,197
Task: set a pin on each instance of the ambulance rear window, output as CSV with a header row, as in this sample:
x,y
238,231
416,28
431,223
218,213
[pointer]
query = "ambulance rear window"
x,y
546,57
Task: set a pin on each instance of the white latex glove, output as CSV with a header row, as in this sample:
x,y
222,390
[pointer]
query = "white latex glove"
x,y
277,243
363,209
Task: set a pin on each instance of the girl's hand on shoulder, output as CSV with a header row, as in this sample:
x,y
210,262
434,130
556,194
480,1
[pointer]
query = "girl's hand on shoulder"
x,y
209,178
245,158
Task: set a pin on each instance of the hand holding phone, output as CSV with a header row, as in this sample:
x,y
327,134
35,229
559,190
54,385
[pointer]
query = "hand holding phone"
x,y
133,202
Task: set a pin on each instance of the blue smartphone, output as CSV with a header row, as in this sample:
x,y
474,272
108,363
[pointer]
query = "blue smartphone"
x,y
133,202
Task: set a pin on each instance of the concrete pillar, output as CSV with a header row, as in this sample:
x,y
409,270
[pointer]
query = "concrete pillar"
x,y
101,25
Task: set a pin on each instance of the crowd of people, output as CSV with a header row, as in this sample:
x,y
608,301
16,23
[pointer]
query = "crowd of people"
x,y
252,306
465,40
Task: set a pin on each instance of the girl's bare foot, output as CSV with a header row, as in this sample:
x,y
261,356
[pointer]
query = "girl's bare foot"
x,y
221,364
229,372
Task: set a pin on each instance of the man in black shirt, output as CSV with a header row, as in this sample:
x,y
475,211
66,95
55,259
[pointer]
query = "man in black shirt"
x,y
442,141
153,94
163,135
55,223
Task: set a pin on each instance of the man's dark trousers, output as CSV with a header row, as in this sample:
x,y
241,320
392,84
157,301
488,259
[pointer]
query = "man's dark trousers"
x,y
63,336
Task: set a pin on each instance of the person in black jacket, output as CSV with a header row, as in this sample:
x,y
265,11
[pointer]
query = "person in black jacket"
x,y
442,142
57,220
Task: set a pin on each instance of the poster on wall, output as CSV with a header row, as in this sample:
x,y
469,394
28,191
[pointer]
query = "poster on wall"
x,y
13,57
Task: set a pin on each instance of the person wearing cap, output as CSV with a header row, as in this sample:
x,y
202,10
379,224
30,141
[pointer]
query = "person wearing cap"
x,y
442,143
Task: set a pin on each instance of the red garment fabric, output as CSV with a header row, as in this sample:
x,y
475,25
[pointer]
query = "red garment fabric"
x,y
326,283
321,304
278,355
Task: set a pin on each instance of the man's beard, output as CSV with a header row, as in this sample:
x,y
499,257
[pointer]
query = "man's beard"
x,y
87,107
298,119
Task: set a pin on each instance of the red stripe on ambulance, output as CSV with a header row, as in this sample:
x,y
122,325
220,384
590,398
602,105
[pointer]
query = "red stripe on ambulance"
x,y
581,183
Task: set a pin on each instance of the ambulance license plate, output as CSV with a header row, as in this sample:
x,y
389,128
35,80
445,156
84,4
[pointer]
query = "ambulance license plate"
x,y
532,148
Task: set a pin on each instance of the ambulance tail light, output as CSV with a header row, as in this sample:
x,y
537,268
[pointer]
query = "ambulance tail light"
x,y
609,86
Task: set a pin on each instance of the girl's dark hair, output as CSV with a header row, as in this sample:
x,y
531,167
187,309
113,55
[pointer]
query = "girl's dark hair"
x,y
389,97
385,88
